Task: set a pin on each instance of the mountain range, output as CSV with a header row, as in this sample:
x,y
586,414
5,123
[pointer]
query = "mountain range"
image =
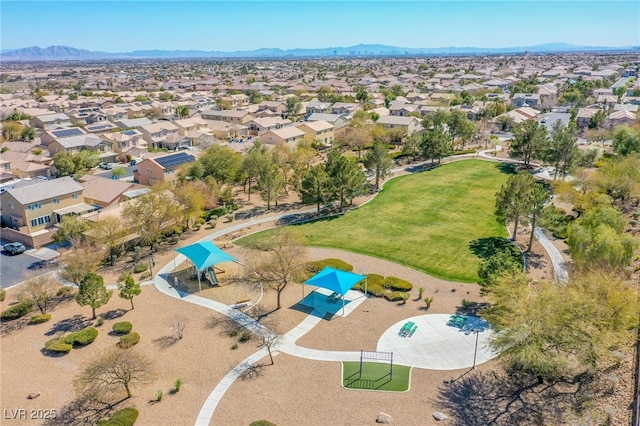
x,y
66,53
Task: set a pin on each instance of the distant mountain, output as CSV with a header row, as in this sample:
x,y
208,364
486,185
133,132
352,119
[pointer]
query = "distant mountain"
x,y
66,53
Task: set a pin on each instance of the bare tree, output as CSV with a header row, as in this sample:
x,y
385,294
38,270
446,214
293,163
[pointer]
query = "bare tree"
x,y
281,261
269,339
83,258
177,326
39,290
105,377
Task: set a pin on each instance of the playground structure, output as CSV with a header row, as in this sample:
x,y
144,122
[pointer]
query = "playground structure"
x,y
362,380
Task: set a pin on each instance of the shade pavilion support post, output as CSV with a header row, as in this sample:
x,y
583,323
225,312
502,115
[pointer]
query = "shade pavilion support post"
x,y
199,282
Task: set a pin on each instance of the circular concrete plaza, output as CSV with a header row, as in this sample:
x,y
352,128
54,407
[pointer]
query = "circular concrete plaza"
x,y
436,343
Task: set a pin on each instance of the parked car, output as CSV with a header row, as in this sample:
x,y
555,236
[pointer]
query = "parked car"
x,y
106,166
14,248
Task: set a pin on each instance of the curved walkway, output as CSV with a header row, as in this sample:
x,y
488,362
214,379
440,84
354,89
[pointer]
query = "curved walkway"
x,y
287,341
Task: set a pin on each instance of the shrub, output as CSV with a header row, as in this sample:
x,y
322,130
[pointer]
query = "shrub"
x,y
555,220
65,292
129,340
397,284
245,336
159,395
262,423
317,266
3,294
100,322
374,285
122,327
145,275
124,417
140,267
39,319
58,346
82,337
229,217
177,384
394,296
428,301
234,346
17,311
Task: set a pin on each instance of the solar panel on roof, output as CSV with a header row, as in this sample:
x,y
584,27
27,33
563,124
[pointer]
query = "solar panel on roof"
x,y
174,160
67,133
100,127
129,132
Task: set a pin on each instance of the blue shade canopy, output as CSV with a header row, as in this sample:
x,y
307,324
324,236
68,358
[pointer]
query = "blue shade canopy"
x,y
335,280
205,254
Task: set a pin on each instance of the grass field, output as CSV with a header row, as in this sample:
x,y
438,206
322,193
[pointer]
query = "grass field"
x,y
375,376
433,221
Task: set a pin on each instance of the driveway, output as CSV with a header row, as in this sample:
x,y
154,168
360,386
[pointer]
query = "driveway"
x,y
15,269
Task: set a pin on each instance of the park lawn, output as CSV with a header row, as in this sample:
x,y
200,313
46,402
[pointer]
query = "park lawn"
x,y
425,220
375,376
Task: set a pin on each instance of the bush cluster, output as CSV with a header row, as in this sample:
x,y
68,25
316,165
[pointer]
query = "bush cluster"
x,y
397,284
58,346
82,337
140,267
39,319
124,417
122,327
394,296
262,423
129,340
3,294
17,311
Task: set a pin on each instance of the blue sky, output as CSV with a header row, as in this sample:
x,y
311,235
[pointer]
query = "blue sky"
x,y
121,26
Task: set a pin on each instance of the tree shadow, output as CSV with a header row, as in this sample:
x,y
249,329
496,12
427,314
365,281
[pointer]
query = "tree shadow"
x,y
75,323
113,314
9,327
84,411
491,398
165,342
484,248
472,308
507,168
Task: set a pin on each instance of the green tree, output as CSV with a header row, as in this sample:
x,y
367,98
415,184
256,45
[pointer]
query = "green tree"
x,y
460,127
253,162
190,197
435,143
270,182
220,162
346,176
552,331
538,197
118,171
28,133
70,227
626,140
378,161
530,141
11,130
361,94
512,201
412,147
315,188
129,289
293,105
109,232
562,150
92,292
502,262
182,111
598,119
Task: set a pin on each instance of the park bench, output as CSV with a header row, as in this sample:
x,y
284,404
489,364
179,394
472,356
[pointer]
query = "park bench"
x,y
241,304
406,328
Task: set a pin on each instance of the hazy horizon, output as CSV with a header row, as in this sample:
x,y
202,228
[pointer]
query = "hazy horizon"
x,y
124,26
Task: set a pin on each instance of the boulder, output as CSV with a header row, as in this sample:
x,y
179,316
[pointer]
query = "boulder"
x,y
440,416
383,418
34,395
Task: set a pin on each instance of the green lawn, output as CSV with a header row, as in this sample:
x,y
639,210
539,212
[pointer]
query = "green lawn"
x,y
430,221
375,376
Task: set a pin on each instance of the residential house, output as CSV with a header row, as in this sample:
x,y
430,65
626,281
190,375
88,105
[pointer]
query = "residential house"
x,y
402,110
274,107
340,122
289,135
321,131
316,106
102,127
162,134
224,130
259,126
132,123
618,118
409,124
161,169
526,99
608,101
78,143
31,210
115,113
230,116
345,108
195,130
104,192
583,118
127,142
548,96
50,121
27,165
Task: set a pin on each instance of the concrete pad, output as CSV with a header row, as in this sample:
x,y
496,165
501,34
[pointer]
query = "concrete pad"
x,y
436,345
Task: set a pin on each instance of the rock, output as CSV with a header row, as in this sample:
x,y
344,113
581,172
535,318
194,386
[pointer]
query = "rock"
x,y
440,416
34,395
383,418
